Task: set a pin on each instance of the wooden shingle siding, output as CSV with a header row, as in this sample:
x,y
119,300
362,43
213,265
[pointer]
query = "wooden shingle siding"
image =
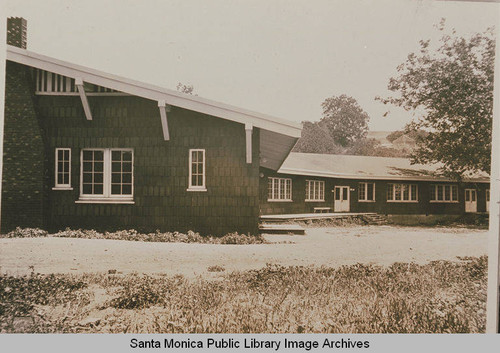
x,y
423,206
161,168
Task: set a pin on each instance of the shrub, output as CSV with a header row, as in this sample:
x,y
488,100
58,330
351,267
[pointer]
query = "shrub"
x,y
27,233
19,295
166,237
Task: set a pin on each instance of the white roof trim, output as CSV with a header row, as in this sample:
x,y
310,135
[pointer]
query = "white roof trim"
x,y
307,172
153,92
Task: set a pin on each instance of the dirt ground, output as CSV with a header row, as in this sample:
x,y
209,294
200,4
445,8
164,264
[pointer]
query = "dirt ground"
x,y
332,247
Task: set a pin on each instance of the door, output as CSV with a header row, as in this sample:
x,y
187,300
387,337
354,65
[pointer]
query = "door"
x,y
470,200
341,203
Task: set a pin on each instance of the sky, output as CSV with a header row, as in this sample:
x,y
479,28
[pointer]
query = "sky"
x,y
278,57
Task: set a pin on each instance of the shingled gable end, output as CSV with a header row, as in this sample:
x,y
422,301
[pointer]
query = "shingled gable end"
x,y
88,149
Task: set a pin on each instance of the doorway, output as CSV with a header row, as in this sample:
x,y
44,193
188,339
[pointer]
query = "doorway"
x,y
342,199
470,200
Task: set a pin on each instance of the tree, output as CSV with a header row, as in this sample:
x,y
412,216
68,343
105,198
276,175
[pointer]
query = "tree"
x,y
394,135
344,119
451,88
188,89
316,138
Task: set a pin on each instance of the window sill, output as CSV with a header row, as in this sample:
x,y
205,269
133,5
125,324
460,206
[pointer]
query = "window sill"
x,y
196,189
314,200
372,201
439,201
106,201
62,188
400,201
279,200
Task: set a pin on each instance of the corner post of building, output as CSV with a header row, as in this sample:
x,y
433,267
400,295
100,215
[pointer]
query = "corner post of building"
x,y
164,109
248,132
83,96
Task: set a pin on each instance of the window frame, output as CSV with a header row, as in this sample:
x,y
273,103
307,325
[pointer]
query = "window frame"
x,y
280,180
192,187
365,190
58,186
434,193
321,191
401,200
106,196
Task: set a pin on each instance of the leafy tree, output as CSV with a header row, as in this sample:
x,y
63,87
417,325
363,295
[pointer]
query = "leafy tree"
x,y
372,147
188,89
394,135
451,87
316,138
345,119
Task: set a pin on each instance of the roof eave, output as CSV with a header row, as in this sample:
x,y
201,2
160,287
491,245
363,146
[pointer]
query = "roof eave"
x,y
325,174
153,92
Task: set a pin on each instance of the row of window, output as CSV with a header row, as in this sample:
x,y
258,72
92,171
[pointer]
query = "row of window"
x,y
280,189
108,173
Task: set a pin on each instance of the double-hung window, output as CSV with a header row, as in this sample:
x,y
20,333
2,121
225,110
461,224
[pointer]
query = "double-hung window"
x,y
107,175
197,170
315,190
444,193
279,189
366,192
62,169
402,193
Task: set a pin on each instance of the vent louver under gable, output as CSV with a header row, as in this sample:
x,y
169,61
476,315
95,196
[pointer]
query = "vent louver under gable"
x,y
49,83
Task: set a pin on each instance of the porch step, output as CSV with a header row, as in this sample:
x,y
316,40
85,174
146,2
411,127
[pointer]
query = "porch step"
x,y
281,229
375,219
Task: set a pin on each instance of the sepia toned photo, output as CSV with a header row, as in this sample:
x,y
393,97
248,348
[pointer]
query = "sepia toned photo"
x,y
247,167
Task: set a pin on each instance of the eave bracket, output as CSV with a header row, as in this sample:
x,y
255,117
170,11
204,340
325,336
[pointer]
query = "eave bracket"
x,y
83,96
164,109
248,133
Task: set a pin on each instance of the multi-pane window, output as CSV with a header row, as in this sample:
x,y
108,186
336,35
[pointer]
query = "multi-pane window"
x,y
366,192
280,189
197,169
63,168
121,172
93,172
107,173
402,192
444,193
315,190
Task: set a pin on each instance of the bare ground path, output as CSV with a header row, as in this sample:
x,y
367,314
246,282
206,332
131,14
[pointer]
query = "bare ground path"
x,y
333,247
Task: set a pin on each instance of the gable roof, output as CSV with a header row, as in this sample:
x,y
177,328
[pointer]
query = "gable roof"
x,y
365,167
277,143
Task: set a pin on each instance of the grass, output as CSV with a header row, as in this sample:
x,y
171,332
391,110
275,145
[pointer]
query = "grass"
x,y
442,296
133,235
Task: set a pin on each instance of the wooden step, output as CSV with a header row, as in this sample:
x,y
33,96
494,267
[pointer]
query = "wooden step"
x,y
281,229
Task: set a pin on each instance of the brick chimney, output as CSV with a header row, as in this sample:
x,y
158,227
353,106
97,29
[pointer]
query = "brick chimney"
x,y
16,32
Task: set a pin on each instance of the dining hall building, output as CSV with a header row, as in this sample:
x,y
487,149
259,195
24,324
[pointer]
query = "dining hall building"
x,y
86,149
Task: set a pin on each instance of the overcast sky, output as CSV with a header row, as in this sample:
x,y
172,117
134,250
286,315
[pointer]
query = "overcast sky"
x,y
281,58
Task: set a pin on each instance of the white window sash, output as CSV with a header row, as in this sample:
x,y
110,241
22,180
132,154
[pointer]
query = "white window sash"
x,y
315,190
364,185
277,184
192,187
107,161
401,197
57,185
443,193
